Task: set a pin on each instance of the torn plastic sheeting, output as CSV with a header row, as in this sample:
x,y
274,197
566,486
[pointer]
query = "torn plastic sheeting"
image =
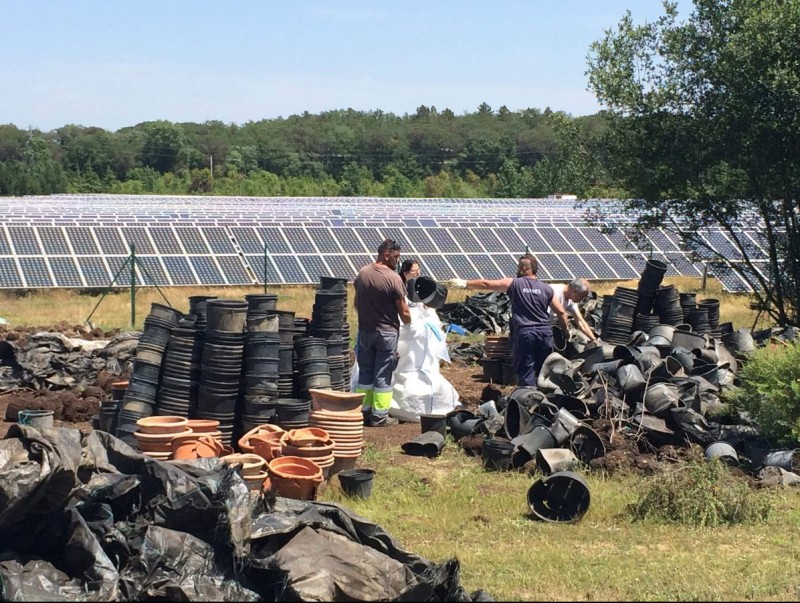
x,y
91,519
479,313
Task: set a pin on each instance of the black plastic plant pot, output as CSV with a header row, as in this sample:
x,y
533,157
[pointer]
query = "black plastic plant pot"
x,y
562,497
427,444
436,423
357,482
431,293
586,444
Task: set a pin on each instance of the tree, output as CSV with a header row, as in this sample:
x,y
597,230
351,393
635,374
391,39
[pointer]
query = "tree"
x,y
163,146
704,127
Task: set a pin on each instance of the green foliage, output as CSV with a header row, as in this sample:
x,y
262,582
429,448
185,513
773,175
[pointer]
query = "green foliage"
x,y
702,126
701,493
770,390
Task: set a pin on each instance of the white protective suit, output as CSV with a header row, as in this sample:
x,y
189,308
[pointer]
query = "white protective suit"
x,y
418,385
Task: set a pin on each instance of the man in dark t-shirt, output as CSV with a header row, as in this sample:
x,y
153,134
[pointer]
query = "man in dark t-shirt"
x,y
531,300
381,305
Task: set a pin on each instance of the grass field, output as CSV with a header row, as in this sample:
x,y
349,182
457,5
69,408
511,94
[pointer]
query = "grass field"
x,y
451,507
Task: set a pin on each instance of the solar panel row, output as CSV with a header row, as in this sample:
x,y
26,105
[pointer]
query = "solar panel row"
x,y
84,240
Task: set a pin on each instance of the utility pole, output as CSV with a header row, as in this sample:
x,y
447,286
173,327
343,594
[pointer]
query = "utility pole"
x,y
211,163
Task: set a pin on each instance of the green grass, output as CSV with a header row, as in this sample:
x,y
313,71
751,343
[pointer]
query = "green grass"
x,y
451,507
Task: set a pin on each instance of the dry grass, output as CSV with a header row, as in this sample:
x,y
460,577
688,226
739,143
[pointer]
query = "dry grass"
x,y
50,306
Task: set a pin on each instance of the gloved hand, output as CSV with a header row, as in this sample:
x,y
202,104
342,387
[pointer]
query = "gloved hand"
x,y
457,283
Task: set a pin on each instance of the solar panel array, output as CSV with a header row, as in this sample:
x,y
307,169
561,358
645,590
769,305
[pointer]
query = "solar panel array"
x,y
84,240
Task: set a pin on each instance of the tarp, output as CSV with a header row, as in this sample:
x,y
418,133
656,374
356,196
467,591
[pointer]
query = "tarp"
x,y
87,518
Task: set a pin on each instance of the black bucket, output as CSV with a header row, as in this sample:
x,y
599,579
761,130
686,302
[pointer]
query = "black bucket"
x,y
261,303
432,294
356,482
332,283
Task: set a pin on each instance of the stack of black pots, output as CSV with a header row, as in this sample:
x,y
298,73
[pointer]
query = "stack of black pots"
x,y
687,303
221,364
649,282
180,371
713,316
668,305
140,396
292,413
260,372
198,307
618,313
698,318
312,365
285,353
329,322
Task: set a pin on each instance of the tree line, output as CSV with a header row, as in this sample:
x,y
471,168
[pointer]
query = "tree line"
x,y
430,153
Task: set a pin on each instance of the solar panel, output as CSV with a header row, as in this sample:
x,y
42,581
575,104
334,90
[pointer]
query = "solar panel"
x,y
598,240
65,271
234,270
5,248
420,240
371,238
555,269
153,272
575,237
533,239
272,237
348,240
95,272
463,267
257,264
721,244
436,267
206,269
510,239
488,239
82,241
466,240
599,267
110,241
340,267
324,240
662,241
576,266
9,276
53,240
218,239
179,270
121,268
487,268
138,237
165,241
359,260
248,240
299,240
442,238
24,240
554,239
290,269
192,241
35,272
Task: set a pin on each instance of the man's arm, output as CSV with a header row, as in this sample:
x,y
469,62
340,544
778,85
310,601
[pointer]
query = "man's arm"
x,y
500,285
583,326
403,310
561,314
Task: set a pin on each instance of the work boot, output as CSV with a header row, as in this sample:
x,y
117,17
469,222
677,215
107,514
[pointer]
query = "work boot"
x,y
381,421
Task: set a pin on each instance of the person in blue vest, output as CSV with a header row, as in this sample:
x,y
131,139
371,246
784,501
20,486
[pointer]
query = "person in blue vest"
x,y
531,303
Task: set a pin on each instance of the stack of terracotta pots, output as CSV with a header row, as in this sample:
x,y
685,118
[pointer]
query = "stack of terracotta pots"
x,y
339,413
155,434
311,443
248,440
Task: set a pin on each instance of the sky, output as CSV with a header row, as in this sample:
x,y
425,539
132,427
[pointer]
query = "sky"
x,y
116,64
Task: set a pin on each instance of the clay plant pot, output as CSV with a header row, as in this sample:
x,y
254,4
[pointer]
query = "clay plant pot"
x,y
244,441
333,401
184,447
305,436
156,442
162,424
255,482
267,445
203,425
295,477
252,464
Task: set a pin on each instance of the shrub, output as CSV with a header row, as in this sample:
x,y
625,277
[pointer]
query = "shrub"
x,y
700,493
770,391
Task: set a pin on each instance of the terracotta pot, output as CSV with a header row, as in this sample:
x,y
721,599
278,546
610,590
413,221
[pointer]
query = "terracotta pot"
x,y
267,445
204,426
184,447
305,436
255,482
158,424
244,441
333,401
322,449
295,477
252,464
